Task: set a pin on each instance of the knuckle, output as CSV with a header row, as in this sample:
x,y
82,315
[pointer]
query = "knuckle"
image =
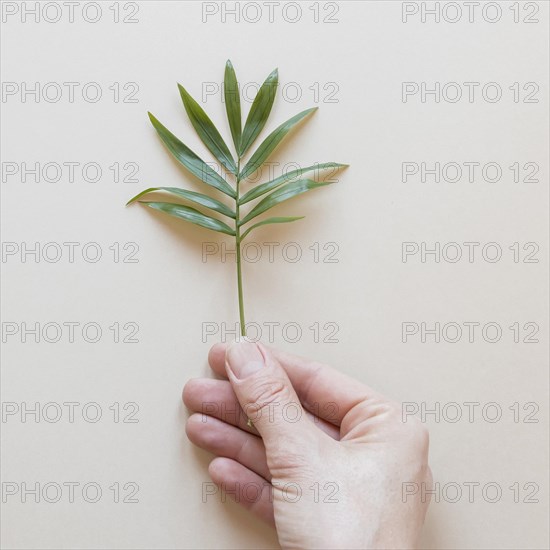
x,y
265,393
243,451
429,477
187,392
286,466
419,435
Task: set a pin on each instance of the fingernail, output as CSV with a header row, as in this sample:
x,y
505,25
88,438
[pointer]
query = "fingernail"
x,y
244,358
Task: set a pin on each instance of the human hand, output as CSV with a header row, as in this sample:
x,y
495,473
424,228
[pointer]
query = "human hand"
x,y
328,456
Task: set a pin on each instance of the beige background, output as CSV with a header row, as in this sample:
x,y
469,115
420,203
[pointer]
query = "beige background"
x,y
368,292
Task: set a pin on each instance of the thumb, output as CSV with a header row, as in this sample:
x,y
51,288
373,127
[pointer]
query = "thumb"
x,y
267,397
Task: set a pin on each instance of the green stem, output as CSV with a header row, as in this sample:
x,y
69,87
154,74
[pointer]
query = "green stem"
x,y
238,247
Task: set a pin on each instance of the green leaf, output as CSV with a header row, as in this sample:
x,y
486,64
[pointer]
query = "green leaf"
x,y
271,141
207,131
233,104
270,221
197,198
190,160
259,112
282,194
191,215
263,188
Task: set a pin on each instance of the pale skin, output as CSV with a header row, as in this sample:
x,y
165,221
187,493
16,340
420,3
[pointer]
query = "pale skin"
x,y
327,461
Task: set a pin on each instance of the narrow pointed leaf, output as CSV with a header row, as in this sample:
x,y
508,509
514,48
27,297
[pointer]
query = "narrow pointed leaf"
x,y
280,195
197,198
207,131
191,215
259,112
233,104
271,141
263,188
270,221
190,160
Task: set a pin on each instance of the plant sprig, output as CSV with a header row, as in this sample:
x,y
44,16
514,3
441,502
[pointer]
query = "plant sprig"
x,y
280,189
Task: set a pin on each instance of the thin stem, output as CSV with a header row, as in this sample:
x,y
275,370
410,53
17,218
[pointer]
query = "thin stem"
x,y
238,247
